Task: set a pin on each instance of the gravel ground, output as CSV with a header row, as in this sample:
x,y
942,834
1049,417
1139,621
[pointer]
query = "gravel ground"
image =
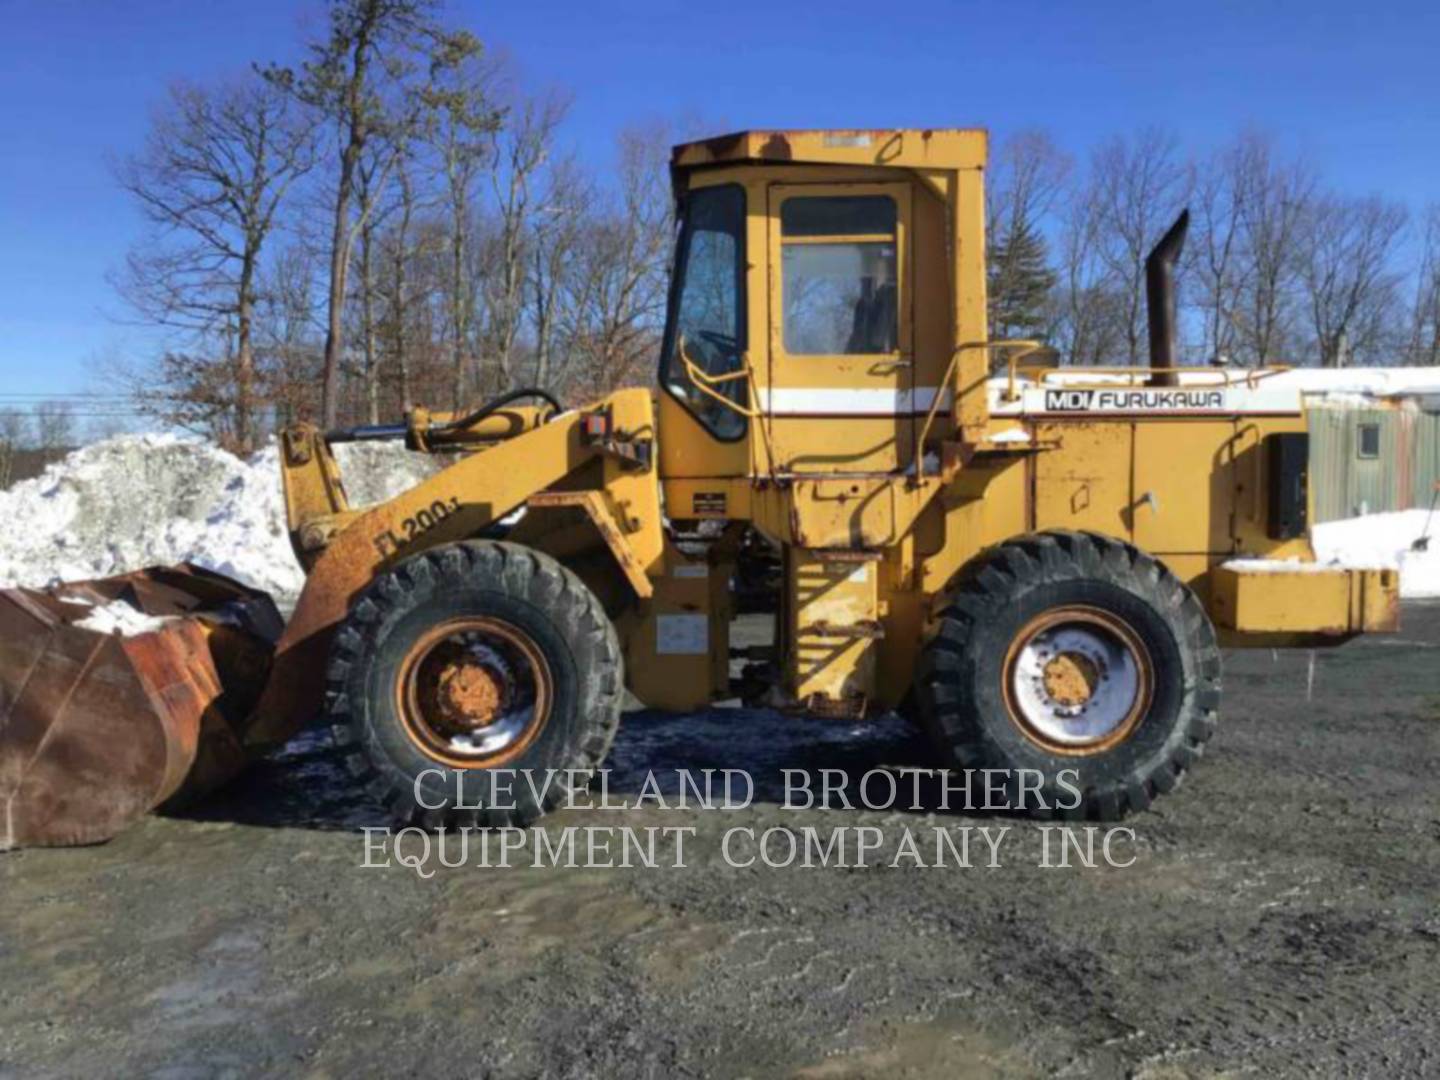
x,y
1280,917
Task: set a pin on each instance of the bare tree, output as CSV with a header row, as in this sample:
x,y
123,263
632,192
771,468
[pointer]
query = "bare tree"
x,y
214,171
1090,306
521,148
397,293
554,237
616,298
1215,253
1273,199
1424,344
54,427
461,167
371,77
14,432
288,325
1350,286
1136,187
460,129
374,201
1025,181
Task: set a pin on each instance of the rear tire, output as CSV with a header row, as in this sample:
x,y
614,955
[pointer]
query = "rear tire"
x,y
1071,651
467,659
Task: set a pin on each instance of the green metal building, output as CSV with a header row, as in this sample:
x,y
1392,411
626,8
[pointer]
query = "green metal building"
x,y
1372,454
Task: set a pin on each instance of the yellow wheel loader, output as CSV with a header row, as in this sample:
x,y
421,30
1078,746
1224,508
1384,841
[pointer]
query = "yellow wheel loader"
x,y
1038,565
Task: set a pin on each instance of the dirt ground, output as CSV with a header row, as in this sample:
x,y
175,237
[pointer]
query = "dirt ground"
x,y
1282,915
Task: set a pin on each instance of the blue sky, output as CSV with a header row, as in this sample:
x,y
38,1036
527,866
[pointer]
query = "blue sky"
x,y
1354,87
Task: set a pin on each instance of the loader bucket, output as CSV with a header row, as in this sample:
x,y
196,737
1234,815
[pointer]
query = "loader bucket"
x,y
121,694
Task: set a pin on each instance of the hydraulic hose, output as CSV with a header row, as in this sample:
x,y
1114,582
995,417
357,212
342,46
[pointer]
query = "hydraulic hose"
x,y
379,432
495,405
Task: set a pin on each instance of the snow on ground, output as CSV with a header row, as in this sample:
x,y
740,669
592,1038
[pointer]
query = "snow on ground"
x,y
1384,541
142,500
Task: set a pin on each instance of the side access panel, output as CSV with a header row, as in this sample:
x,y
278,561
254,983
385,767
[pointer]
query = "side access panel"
x,y
1167,486
677,642
1084,483
1182,499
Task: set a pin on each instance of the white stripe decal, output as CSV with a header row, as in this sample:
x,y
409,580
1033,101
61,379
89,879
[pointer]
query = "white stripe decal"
x,y
1033,400
849,401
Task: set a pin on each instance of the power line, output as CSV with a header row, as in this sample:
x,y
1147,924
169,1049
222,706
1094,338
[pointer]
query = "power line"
x,y
117,406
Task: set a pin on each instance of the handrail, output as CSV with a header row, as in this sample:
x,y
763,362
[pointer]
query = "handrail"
x,y
1223,376
705,383
1027,347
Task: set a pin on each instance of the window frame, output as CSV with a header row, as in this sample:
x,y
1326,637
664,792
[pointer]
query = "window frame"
x,y
1360,431
899,193
672,310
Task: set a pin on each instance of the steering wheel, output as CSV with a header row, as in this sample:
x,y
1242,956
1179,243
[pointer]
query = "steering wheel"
x,y
724,342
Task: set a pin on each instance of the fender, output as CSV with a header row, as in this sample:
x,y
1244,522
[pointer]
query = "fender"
x,y
454,504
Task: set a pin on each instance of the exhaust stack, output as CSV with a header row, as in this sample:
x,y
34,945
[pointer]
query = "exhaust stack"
x,y
1160,300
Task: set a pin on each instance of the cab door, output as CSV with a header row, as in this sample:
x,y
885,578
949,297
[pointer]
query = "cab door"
x,y
839,397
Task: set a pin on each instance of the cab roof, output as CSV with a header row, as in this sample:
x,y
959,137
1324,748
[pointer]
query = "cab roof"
x,y
933,148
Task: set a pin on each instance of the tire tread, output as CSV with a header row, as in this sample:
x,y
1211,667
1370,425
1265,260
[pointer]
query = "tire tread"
x,y
518,571
991,583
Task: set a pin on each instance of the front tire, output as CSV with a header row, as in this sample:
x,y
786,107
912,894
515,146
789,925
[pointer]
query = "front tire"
x,y
1078,658
471,659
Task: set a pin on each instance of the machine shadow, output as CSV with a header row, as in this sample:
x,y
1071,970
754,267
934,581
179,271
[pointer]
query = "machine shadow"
x,y
305,785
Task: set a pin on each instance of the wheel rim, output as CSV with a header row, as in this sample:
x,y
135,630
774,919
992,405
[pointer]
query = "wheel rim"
x,y
474,692
1077,680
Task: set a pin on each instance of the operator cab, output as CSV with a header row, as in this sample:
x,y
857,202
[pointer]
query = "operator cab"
x,y
812,313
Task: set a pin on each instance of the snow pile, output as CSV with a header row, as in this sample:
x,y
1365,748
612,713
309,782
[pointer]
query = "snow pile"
x,y
373,471
1014,435
1284,566
118,617
1356,384
141,500
1382,541
1373,542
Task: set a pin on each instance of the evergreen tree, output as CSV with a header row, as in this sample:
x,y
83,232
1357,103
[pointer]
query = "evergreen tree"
x,y
1020,282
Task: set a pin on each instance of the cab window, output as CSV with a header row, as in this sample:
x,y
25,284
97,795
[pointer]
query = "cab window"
x,y
838,275
705,321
